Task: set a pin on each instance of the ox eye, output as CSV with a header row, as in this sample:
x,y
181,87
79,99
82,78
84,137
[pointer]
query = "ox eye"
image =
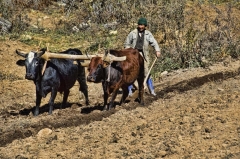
x,y
36,63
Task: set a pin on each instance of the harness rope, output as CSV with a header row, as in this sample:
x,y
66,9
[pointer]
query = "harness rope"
x,y
109,69
44,67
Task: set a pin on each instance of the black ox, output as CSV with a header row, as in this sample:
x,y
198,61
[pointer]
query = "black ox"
x,y
59,75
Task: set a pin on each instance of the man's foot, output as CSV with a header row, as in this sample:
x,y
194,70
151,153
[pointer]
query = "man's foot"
x,y
130,93
153,93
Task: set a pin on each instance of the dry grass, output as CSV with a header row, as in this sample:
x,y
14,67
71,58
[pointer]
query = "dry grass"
x,y
190,33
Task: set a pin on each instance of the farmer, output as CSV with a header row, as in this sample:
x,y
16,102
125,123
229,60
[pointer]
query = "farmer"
x,y
140,39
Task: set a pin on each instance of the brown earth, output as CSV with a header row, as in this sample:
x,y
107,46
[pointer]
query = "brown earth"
x,y
195,115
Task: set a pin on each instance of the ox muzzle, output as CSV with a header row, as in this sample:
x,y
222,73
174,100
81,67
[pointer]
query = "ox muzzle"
x,y
91,79
29,76
95,77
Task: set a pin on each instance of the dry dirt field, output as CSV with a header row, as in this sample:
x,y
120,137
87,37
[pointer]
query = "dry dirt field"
x,y
195,115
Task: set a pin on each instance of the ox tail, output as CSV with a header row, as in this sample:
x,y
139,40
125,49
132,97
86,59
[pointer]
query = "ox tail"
x,y
82,79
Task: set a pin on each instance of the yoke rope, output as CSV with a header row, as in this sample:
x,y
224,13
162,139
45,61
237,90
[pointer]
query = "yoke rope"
x,y
109,69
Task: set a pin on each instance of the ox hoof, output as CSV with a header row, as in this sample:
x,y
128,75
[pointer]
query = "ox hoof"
x,y
105,108
142,104
50,113
36,113
87,102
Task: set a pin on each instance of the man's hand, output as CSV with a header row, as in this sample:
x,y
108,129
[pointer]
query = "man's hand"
x,y
158,53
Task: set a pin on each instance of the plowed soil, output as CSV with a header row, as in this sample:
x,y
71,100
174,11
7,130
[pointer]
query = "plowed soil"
x,y
195,115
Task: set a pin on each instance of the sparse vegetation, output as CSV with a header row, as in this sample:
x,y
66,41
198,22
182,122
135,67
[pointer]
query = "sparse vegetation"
x,y
191,33
10,77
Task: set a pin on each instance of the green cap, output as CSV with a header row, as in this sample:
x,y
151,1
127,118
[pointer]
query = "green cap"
x,y
142,21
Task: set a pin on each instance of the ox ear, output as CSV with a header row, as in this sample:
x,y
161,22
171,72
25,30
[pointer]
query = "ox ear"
x,y
20,62
105,64
23,54
106,52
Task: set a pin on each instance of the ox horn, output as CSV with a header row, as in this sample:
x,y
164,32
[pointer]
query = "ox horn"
x,y
21,53
110,58
89,57
85,64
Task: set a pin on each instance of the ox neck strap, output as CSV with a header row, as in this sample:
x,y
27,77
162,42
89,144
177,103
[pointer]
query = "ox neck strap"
x,y
44,67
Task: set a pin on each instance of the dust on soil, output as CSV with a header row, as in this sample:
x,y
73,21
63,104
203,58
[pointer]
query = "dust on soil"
x,y
195,115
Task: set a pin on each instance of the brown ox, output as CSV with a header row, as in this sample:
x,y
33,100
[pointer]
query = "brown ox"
x,y
118,74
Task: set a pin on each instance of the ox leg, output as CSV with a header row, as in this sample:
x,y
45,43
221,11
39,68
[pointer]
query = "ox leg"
x,y
124,95
65,97
38,102
85,92
105,97
51,100
111,103
141,91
